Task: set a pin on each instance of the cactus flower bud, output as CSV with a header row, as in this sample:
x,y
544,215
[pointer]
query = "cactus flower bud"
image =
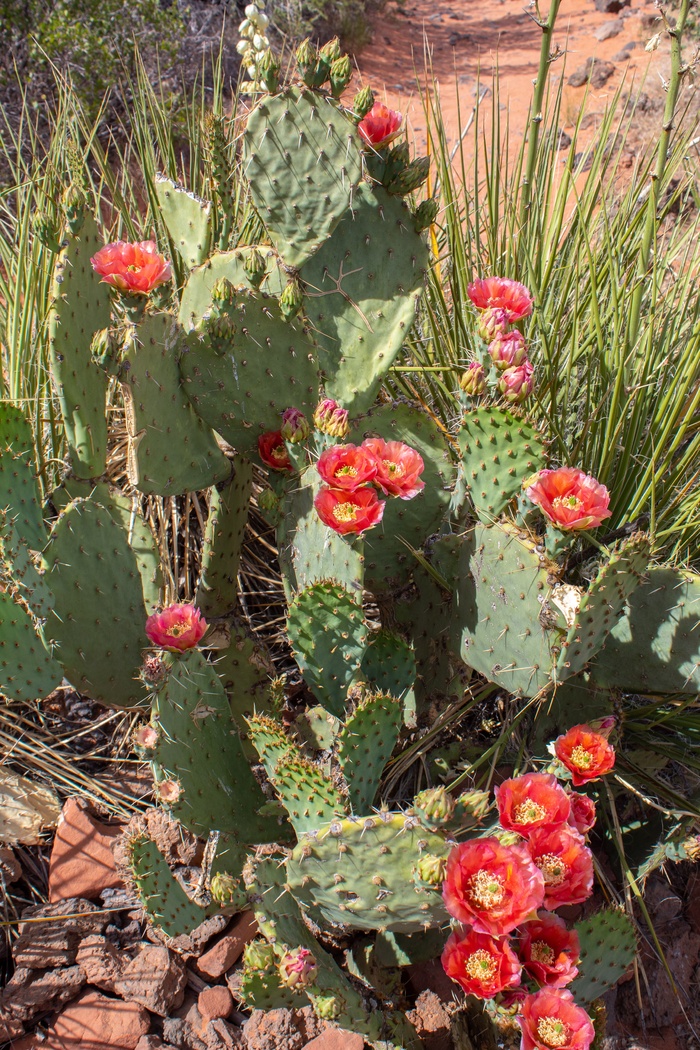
x,y
434,806
145,737
363,102
426,214
474,804
106,350
154,670
74,207
298,968
398,159
313,69
258,955
411,177
516,384
168,791
223,887
432,869
473,381
331,419
223,293
295,426
494,321
269,72
254,267
507,351
331,51
291,299
269,503
328,1007
341,75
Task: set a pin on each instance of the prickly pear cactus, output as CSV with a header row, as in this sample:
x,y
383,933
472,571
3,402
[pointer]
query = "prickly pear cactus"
x,y
608,946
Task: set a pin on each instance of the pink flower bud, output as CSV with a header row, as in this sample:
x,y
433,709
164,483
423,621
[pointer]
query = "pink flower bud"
x,y
331,419
492,322
516,384
298,968
473,382
295,426
508,351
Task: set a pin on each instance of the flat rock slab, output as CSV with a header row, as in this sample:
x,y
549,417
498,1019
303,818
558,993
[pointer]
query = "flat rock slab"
x,y
94,1022
46,945
82,863
336,1039
155,978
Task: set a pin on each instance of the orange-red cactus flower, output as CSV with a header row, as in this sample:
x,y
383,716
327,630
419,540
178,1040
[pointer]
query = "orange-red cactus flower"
x,y
566,864
482,965
492,887
569,499
177,628
349,512
549,951
273,452
585,753
132,267
380,126
536,800
551,1020
398,467
503,293
346,467
582,815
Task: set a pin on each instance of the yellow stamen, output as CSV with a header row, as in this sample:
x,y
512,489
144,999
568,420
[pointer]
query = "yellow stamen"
x,y
542,953
345,512
279,453
528,812
395,469
553,868
568,502
176,629
346,471
553,1032
581,757
481,964
486,889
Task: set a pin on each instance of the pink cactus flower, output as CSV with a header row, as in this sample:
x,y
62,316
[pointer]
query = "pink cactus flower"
x,y
273,451
583,815
177,628
481,964
380,126
136,268
508,351
566,864
536,800
398,467
493,321
346,467
569,499
473,381
298,968
517,383
551,1020
349,512
503,293
549,950
585,753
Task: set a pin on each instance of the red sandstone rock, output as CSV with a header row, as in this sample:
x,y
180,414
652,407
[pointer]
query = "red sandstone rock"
x,y
220,1035
44,945
156,978
229,948
94,1022
30,992
82,864
100,961
274,1028
432,1021
336,1039
215,1002
27,1042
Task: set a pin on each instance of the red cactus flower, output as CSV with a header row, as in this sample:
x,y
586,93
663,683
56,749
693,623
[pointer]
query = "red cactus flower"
x,y
508,295
569,498
273,452
346,467
587,754
347,512
398,467
582,815
549,951
492,887
551,1020
380,126
566,864
177,628
137,268
536,800
508,350
517,383
482,965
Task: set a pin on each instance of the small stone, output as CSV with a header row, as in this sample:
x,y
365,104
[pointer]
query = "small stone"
x,y
267,1028
149,1042
611,7
580,76
40,992
229,948
177,1031
432,1021
100,961
601,73
220,1035
94,1022
215,1002
621,56
82,863
156,978
563,140
335,1039
10,867
45,945
609,29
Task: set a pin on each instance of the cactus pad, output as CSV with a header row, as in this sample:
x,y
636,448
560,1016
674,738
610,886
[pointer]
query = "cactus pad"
x,y
388,664
28,671
608,946
197,294
365,744
223,540
19,490
162,896
307,793
188,219
302,159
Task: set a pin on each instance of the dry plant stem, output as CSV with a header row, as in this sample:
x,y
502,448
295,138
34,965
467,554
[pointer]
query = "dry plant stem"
x,y
678,71
546,59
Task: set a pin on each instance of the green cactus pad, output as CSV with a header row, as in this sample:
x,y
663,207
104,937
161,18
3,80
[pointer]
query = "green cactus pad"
x,y
359,872
328,633
80,307
20,497
170,449
317,728
407,949
162,896
223,541
188,219
308,794
365,744
608,946
199,748
505,625
28,671
388,561
196,295
498,452
18,568
263,990
269,366
602,604
362,290
302,159
245,669
98,621
655,646
388,664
